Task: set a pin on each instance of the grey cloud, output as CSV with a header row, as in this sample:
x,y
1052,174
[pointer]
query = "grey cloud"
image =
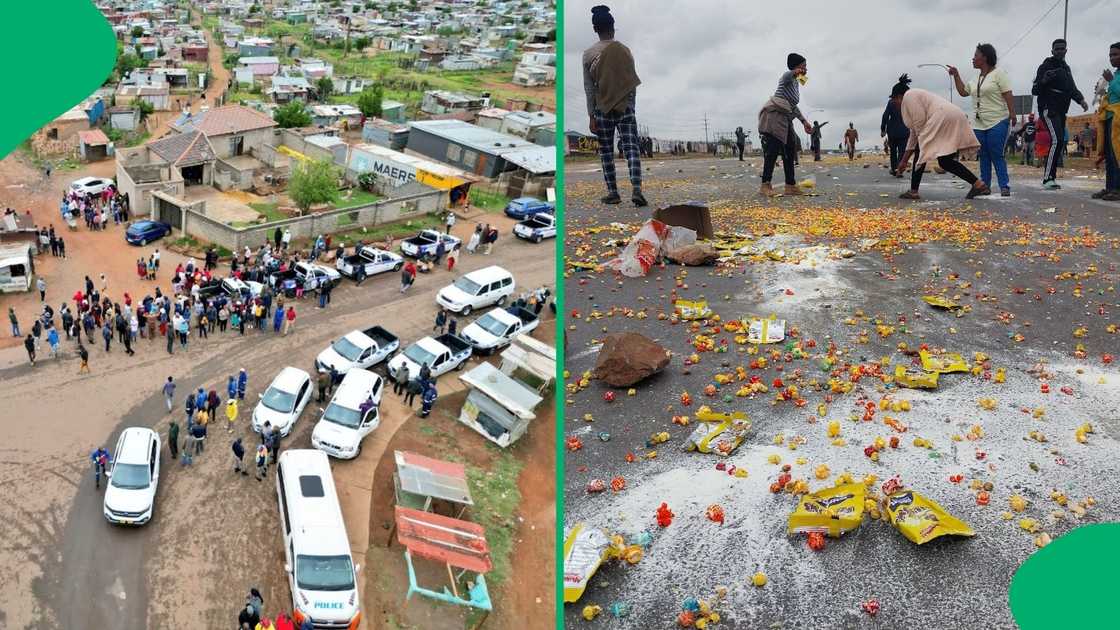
x,y
723,59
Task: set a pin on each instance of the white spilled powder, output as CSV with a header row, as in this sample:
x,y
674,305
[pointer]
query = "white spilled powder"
x,y
816,276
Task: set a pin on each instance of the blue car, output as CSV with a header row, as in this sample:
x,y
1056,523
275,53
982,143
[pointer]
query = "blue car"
x,y
524,207
144,232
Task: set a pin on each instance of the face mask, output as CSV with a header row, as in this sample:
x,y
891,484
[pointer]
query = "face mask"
x,y
802,79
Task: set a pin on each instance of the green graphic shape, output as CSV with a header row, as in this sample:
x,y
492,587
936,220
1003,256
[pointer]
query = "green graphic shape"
x,y
1070,583
56,54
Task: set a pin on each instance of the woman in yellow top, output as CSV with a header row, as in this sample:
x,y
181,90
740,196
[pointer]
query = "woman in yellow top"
x,y
231,414
993,113
1108,137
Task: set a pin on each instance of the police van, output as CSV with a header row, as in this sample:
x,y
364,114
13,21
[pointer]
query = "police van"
x,y
321,574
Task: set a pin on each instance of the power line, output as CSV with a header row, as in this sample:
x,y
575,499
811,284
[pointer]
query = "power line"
x,y
1033,26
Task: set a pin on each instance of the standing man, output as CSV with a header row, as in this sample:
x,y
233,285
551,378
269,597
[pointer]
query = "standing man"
x,y
815,140
168,392
441,321
895,131
851,136
286,240
1109,138
242,382
173,439
15,322
610,83
1027,133
1055,89
238,456
29,344
775,126
41,284
262,461
1088,139
740,141
449,222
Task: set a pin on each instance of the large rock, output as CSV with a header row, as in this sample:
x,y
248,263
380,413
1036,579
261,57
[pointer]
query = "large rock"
x,y
629,357
703,253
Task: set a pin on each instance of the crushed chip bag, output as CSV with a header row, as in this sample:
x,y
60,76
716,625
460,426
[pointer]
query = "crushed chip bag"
x,y
921,520
938,301
915,379
943,363
689,309
718,433
832,511
766,330
584,550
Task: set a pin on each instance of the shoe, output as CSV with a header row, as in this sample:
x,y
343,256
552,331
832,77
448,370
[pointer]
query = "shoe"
x,y
639,200
1112,195
975,192
793,191
1051,185
766,190
1004,192
1100,193
909,194
611,199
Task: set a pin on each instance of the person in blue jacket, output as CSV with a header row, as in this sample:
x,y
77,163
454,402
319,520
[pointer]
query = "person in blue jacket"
x,y
242,382
427,400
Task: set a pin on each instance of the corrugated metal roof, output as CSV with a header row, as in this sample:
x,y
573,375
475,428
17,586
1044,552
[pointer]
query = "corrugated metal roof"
x,y
458,543
93,137
531,157
183,148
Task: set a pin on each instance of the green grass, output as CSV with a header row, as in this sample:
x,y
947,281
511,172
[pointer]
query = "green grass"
x,y
496,498
488,201
397,229
223,252
185,241
358,198
269,211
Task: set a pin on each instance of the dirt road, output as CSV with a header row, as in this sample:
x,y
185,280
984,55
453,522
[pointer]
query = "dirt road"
x,y
219,78
214,533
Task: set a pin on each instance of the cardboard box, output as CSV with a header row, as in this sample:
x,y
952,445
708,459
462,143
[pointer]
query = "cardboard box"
x,y
692,215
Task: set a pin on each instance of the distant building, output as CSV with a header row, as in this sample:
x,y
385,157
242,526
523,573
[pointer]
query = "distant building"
x,y
329,115
124,118
439,102
261,66
393,111
385,133
536,127
288,89
477,150
255,47
491,118
156,94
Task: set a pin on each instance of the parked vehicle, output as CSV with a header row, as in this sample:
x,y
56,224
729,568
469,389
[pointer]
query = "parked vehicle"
x,y
130,497
143,232
374,261
284,400
344,422
90,185
497,328
358,349
238,289
442,354
322,273
525,207
426,242
536,228
322,576
479,288
17,266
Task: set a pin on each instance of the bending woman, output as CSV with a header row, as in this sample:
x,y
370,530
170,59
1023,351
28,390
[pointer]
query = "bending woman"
x,y
938,130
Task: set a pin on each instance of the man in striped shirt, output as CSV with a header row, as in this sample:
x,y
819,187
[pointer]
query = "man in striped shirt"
x,y
610,82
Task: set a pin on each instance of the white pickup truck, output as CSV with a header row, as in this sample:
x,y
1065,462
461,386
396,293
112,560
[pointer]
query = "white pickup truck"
x,y
442,354
358,349
426,242
497,328
536,228
374,261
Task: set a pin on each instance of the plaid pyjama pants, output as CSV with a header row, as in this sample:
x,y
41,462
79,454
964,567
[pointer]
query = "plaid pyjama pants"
x,y
627,127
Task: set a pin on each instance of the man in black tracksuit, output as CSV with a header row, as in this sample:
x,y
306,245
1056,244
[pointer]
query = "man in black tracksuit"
x,y
896,132
1055,89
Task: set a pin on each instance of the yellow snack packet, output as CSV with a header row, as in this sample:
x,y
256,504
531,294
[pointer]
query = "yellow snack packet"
x,y
907,377
692,309
943,363
832,511
938,301
921,520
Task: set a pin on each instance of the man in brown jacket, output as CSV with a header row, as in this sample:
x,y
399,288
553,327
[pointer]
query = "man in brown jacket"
x,y
610,82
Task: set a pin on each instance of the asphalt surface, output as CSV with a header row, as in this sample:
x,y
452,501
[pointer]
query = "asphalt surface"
x,y
95,575
1019,246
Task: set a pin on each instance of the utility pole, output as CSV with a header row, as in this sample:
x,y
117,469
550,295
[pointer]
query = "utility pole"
x,y
705,128
1065,20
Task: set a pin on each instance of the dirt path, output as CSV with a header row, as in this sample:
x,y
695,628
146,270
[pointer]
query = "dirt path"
x,y
214,534
219,78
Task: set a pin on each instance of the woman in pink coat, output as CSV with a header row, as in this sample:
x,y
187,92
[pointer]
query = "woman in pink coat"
x,y
938,130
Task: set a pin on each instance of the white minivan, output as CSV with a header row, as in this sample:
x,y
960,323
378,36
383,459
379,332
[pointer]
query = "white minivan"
x,y
344,422
479,288
130,498
322,576
283,402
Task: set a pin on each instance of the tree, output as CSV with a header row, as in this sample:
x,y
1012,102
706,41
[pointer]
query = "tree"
x,y
369,100
256,8
324,86
127,62
137,32
145,108
293,114
313,182
362,43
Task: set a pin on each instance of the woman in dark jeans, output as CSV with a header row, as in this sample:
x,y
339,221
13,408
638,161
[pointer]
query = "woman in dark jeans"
x,y
938,129
775,126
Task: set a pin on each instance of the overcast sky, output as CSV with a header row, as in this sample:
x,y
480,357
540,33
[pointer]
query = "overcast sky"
x,y
722,58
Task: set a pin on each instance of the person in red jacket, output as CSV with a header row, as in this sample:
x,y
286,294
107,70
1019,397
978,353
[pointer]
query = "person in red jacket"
x,y
289,319
284,622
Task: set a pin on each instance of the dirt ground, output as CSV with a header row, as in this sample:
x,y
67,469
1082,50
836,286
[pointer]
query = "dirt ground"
x,y
214,533
527,600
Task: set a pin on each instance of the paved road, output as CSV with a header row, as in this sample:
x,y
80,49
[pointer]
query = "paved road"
x,y
209,539
1013,243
